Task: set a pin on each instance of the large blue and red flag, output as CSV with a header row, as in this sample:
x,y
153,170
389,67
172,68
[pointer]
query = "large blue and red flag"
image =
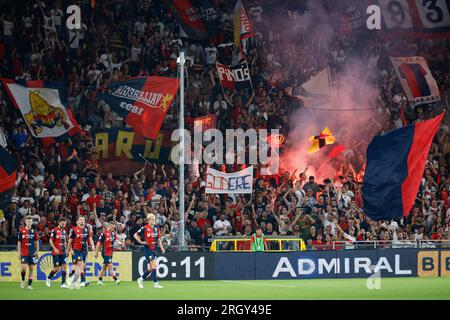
x,y
8,175
395,165
143,102
43,107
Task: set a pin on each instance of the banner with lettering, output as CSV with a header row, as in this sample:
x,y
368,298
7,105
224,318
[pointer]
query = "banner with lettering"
x,y
142,101
225,183
415,18
234,77
120,150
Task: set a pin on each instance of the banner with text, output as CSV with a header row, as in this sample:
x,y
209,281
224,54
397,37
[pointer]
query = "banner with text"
x,y
119,150
225,183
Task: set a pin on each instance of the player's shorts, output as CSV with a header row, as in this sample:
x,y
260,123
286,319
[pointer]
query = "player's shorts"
x,y
59,260
149,255
30,260
107,260
78,256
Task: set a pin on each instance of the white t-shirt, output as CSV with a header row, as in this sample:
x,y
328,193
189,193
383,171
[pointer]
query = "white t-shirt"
x,y
161,220
30,199
140,27
256,13
211,55
74,39
57,17
135,52
349,245
8,28
221,224
220,105
37,178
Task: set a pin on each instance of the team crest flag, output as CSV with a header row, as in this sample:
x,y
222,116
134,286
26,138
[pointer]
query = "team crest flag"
x,y
416,79
229,183
42,105
320,141
395,164
143,102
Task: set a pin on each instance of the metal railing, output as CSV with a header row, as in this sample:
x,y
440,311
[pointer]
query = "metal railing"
x,y
381,244
286,243
242,244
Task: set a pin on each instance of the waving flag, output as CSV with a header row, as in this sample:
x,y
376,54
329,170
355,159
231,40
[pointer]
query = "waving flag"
x,y
243,28
142,101
395,164
8,175
314,92
204,123
416,79
320,141
190,19
42,106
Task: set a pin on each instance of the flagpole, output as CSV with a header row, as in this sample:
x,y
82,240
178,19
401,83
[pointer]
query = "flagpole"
x,y
181,62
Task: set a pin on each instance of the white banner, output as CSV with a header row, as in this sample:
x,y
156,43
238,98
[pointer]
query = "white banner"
x,y
225,183
416,79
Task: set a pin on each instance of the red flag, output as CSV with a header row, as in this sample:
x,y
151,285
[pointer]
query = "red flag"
x,y
142,101
206,122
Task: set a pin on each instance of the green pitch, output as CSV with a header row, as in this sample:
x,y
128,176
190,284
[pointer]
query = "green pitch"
x,y
391,288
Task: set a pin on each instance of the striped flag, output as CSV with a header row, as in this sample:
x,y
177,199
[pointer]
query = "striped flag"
x,y
416,80
395,164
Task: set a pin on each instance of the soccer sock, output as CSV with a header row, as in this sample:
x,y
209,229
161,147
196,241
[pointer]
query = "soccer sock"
x,y
51,274
30,281
63,277
153,276
145,275
100,278
71,273
115,278
83,278
22,273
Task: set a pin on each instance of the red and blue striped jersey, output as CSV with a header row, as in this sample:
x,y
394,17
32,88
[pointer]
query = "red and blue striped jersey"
x,y
27,240
107,239
80,238
59,238
150,235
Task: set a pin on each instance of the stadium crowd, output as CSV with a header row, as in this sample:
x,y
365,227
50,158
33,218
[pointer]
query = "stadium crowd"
x,y
123,39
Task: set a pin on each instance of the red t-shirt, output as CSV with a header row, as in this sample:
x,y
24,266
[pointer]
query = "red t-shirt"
x,y
93,199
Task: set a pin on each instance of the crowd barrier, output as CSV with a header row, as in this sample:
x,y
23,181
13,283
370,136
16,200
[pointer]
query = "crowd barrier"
x,y
408,262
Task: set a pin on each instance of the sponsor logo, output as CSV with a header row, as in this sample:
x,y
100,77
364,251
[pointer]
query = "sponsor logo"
x,y
433,263
45,265
356,265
